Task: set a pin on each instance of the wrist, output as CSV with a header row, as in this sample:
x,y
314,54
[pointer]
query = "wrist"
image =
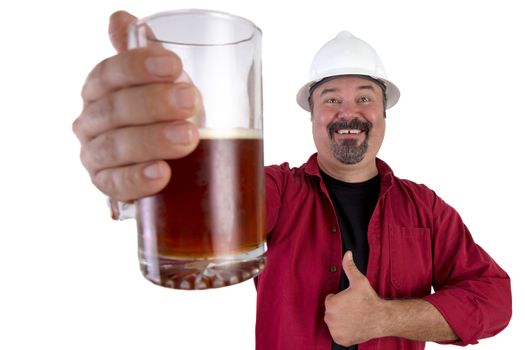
x,y
386,318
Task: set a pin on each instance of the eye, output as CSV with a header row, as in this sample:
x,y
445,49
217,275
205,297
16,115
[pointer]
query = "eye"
x,y
364,99
332,100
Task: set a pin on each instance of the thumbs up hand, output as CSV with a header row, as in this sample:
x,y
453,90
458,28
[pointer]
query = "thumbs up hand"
x,y
354,315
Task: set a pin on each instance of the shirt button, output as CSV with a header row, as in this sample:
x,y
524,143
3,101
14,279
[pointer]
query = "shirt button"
x,y
333,229
333,268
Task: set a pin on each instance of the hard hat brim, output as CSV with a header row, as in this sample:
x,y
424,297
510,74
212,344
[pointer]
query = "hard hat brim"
x,y
392,92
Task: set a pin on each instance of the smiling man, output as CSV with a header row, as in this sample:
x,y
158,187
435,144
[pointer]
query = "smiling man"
x,y
398,239
357,257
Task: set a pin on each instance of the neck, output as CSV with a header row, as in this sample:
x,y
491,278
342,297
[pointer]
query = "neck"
x,y
349,172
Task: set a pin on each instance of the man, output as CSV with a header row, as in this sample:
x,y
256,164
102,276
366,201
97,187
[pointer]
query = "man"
x,y
353,251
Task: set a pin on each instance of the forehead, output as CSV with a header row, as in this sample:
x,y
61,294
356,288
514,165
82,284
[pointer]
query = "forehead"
x,y
346,84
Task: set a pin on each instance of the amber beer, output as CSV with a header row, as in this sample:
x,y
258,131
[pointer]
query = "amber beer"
x,y
207,227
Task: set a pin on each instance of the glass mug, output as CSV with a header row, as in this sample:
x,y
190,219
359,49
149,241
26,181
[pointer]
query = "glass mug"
x,y
206,229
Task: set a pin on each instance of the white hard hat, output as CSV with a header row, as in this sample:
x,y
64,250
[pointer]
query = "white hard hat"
x,y
347,55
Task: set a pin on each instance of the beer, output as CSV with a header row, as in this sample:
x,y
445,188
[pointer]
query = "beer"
x,y
209,217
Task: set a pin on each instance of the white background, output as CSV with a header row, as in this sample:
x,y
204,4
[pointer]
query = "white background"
x,y
69,275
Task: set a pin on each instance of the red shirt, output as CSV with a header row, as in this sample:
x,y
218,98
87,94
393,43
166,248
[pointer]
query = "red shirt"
x,y
417,242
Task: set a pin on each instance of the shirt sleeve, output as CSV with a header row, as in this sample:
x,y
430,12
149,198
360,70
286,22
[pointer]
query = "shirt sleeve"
x,y
471,291
275,181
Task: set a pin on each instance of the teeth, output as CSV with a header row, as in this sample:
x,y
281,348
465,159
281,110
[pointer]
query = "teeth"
x,y
346,131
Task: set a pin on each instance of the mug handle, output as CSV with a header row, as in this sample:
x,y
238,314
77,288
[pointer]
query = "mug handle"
x,y
121,210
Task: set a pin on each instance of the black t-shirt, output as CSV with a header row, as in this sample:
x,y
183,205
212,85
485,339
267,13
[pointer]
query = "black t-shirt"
x,y
354,205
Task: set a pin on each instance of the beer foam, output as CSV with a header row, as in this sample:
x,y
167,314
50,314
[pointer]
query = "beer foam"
x,y
236,133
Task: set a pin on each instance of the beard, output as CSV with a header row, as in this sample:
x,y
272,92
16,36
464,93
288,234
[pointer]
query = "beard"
x,y
349,151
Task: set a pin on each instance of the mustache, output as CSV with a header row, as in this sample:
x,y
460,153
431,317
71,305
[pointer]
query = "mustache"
x,y
349,124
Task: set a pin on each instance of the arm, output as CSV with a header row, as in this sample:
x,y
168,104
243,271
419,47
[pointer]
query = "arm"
x,y
472,299
415,319
472,295
472,292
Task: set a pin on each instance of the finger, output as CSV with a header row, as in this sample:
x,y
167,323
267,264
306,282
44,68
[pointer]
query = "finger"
x,y
131,67
327,299
350,268
139,105
132,182
139,144
118,29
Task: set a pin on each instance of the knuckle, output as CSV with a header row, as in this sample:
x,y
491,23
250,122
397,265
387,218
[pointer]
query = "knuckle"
x,y
123,184
327,319
101,151
329,302
87,163
98,116
134,62
85,93
102,112
126,67
153,99
129,179
84,159
76,127
106,73
88,92
106,182
156,100
106,151
341,340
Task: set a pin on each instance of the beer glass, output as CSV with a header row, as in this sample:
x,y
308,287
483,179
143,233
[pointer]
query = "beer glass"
x,y
206,229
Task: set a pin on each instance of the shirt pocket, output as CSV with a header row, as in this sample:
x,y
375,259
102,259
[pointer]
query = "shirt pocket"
x,y
410,261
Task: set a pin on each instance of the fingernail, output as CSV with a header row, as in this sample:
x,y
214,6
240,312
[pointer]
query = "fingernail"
x,y
184,98
160,66
179,134
153,171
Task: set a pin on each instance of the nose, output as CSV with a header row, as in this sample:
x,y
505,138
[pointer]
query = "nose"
x,y
349,110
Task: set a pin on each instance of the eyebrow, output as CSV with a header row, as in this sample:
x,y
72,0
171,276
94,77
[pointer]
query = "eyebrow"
x,y
361,87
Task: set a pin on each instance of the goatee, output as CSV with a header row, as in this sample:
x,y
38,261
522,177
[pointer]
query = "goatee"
x,y
349,151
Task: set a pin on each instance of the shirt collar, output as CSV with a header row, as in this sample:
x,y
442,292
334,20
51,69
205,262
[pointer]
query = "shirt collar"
x,y
385,172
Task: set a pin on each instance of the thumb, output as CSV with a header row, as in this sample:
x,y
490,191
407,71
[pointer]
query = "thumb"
x,y
350,268
118,29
